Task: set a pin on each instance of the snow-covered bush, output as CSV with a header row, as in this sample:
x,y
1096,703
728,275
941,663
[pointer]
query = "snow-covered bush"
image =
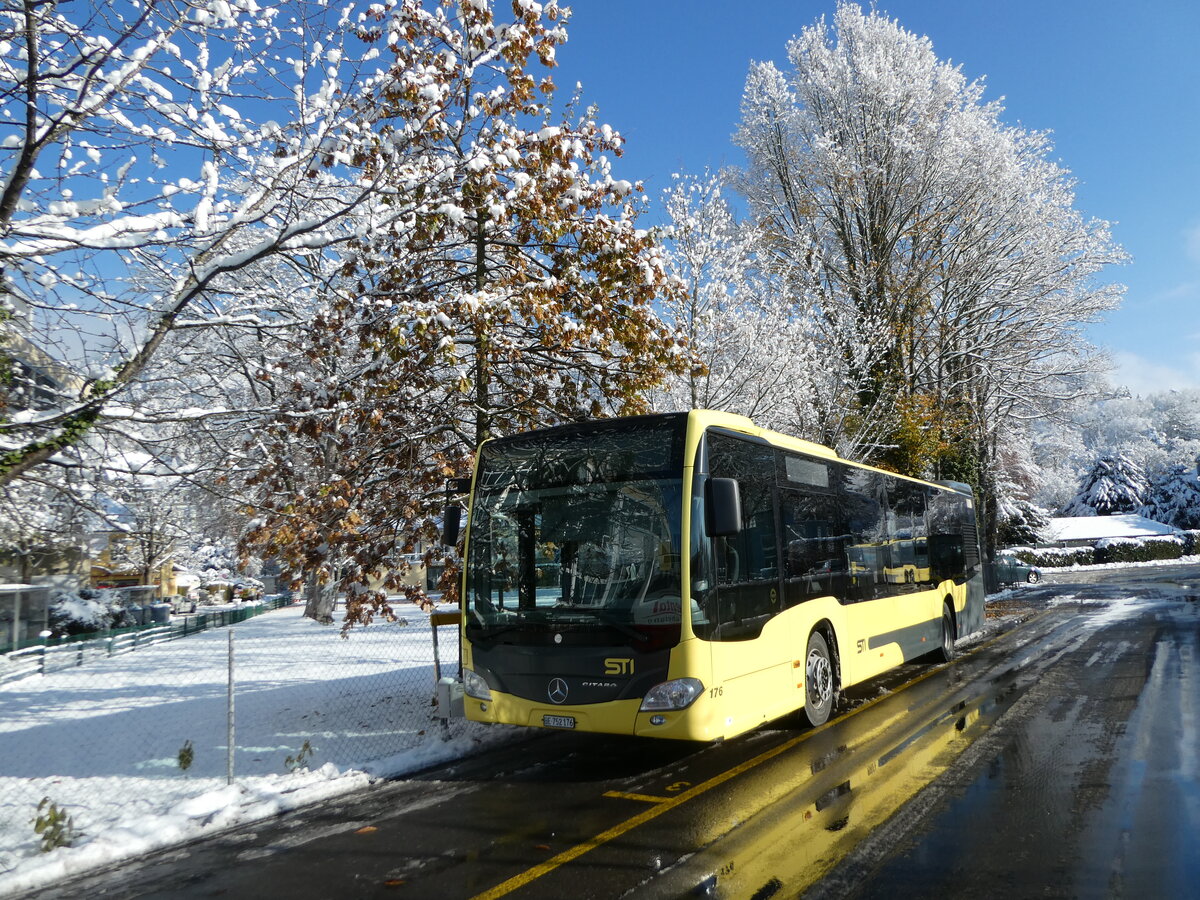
x,y
1191,542
82,613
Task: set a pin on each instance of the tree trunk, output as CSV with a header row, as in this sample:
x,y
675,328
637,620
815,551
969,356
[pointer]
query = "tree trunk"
x,y
483,416
320,600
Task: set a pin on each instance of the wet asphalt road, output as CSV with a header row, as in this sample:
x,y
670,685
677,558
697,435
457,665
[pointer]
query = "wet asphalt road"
x,y
1090,784
1059,758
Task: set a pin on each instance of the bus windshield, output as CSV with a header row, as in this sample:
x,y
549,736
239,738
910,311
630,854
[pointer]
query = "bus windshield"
x,y
575,536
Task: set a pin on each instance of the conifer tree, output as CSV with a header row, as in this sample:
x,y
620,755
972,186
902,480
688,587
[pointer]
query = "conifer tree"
x,y
1173,498
1114,485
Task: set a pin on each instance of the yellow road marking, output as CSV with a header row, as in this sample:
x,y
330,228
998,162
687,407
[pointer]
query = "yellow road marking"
x,y
529,875
646,798
666,804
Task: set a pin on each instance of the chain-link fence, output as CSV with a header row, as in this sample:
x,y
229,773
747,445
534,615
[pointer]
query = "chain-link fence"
x,y
152,718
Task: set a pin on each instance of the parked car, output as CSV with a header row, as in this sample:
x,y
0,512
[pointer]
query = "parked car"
x,y
181,604
1010,570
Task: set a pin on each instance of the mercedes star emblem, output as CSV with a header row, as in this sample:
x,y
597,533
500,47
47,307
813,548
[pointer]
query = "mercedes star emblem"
x,y
557,691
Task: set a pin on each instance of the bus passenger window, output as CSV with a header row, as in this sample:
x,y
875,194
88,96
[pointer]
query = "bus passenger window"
x,y
946,547
865,501
747,563
908,548
814,552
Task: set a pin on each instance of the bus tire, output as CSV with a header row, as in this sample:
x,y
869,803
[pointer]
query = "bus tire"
x,y
945,653
819,680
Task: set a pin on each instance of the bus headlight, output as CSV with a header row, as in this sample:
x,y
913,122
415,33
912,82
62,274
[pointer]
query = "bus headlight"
x,y
677,694
475,686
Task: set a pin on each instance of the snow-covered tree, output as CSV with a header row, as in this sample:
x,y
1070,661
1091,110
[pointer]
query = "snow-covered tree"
x,y
150,151
42,527
949,270
740,323
1175,420
1173,497
1017,478
1020,522
516,293
1158,431
146,512
1115,484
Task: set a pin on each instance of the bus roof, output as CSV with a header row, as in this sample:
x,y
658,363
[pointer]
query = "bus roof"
x,y
701,419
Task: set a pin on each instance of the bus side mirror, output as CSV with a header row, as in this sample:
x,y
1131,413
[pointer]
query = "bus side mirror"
x,y
722,507
451,523
452,520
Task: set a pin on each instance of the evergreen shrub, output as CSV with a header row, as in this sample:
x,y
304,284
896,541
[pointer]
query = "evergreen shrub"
x,y
1056,557
1114,550
1191,543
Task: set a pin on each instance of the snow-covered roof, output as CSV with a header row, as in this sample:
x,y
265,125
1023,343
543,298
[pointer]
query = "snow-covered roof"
x,y
1095,528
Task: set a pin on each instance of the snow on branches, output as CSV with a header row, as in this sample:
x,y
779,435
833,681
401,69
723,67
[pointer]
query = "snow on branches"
x,y
151,153
515,291
1115,484
925,229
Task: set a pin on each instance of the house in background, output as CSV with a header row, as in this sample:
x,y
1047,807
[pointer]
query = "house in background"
x,y
1086,531
106,574
57,568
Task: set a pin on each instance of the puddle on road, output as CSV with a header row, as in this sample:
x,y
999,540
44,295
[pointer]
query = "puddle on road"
x,y
798,838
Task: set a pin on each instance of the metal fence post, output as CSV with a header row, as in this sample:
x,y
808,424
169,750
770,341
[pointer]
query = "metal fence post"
x,y
230,734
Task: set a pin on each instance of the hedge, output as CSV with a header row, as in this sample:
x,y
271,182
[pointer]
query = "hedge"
x,y
1112,550
1115,550
1191,543
1057,557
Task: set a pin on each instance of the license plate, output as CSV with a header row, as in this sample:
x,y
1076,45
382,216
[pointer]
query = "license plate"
x,y
558,721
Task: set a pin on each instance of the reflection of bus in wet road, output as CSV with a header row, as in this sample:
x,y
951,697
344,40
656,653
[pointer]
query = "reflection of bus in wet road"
x,y
692,576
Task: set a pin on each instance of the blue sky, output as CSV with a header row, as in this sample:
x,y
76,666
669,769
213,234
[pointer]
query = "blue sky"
x,y
1116,83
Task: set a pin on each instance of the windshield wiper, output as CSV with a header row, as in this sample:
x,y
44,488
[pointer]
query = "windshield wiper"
x,y
605,618
517,621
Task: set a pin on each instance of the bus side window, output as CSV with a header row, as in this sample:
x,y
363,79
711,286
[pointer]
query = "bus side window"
x,y
864,499
747,563
814,564
908,566
946,552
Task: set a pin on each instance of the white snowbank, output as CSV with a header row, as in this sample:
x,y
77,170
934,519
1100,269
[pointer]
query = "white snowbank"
x,y
103,741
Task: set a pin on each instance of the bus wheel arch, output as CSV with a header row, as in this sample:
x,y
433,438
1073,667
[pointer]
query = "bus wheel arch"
x,y
822,674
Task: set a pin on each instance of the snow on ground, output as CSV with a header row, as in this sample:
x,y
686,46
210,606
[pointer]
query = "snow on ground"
x,y
107,741
1095,528
1114,608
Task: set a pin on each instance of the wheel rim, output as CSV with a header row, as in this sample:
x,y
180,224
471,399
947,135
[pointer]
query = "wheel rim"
x,y
820,679
1033,577
947,636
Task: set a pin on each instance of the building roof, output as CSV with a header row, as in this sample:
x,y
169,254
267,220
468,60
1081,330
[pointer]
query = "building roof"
x,y
1096,528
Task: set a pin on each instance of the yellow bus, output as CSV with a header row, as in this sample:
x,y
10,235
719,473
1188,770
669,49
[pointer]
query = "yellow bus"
x,y
691,576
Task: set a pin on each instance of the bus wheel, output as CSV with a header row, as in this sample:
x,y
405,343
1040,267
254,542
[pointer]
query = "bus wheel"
x,y
946,652
818,680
